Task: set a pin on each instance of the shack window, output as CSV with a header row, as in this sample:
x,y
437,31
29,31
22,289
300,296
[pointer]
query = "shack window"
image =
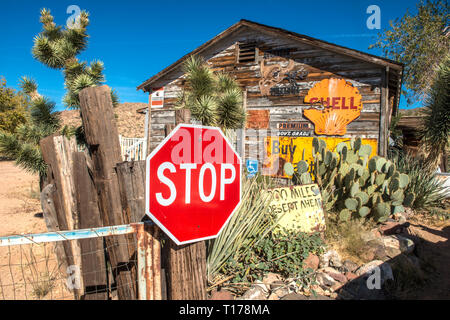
x,y
247,52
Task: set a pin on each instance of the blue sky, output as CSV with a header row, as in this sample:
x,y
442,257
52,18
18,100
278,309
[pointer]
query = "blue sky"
x,y
136,39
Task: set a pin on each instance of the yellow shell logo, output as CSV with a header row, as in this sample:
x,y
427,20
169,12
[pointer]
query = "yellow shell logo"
x,y
339,104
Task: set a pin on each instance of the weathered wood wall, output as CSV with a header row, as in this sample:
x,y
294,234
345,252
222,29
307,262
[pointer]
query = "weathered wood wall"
x,y
320,64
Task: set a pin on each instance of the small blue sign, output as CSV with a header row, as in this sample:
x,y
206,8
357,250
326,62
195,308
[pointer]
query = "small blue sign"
x,y
252,167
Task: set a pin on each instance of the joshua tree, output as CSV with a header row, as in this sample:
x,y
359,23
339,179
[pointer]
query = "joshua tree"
x,y
436,126
214,99
58,48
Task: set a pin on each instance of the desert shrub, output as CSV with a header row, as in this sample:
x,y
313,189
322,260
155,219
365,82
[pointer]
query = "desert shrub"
x,y
281,252
248,224
429,190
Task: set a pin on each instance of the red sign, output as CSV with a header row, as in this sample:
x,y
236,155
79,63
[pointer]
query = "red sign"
x,y
193,183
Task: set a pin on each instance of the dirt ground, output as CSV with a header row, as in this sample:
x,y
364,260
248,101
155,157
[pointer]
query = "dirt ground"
x,y
27,271
433,247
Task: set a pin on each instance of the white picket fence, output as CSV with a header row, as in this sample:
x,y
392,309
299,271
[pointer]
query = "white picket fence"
x,y
132,149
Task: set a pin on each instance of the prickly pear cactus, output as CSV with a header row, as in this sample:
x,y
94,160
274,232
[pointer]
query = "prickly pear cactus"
x,y
354,185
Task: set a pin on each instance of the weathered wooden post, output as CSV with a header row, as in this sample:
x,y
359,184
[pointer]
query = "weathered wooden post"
x,y
57,152
131,177
186,264
103,141
95,274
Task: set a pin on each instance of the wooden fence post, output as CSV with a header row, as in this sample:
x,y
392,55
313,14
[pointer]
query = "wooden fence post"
x,y
57,153
95,275
103,141
185,265
131,177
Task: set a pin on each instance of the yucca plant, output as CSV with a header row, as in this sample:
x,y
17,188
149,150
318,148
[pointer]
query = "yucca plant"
x,y
429,190
248,224
214,98
436,129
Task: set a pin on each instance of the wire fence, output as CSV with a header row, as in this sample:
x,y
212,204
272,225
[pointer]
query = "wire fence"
x,y
36,267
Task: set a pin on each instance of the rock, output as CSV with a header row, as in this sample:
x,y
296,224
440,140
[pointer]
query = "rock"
x,y
319,297
333,295
269,278
350,266
392,252
405,245
365,285
256,292
370,235
336,275
385,270
279,288
312,262
277,285
330,258
273,296
221,295
294,296
325,280
391,228
350,276
318,289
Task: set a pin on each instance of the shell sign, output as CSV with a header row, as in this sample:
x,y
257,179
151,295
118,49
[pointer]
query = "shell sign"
x,y
340,104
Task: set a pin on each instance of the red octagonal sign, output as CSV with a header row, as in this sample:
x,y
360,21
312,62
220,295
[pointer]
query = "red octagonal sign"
x,y
193,183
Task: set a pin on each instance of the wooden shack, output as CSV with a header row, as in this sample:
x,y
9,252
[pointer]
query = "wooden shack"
x,y
295,88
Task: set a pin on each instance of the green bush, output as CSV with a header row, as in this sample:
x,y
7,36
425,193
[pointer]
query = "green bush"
x,y
281,252
429,190
247,225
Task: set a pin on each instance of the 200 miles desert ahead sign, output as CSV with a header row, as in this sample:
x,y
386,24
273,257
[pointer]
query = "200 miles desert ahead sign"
x,y
298,208
193,183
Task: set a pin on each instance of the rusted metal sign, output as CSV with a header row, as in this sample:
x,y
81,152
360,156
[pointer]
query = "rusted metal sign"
x,y
279,77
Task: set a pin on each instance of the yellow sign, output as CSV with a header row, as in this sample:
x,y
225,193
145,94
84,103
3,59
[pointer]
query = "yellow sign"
x,y
298,208
339,103
280,150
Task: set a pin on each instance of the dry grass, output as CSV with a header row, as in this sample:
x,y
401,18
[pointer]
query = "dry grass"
x,y
42,275
347,237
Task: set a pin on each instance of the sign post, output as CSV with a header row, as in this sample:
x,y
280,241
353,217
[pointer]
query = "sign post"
x,y
193,186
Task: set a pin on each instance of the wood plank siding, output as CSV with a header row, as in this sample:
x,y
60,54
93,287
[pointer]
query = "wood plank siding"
x,y
267,111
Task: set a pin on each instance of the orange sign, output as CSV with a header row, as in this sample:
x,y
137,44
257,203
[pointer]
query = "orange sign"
x,y
339,104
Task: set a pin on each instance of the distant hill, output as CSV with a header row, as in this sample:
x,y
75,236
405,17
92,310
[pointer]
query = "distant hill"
x,y
130,124
411,112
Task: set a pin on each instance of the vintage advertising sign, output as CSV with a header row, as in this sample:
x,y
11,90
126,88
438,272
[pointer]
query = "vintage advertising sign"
x,y
295,129
298,208
193,183
157,98
279,77
338,104
279,150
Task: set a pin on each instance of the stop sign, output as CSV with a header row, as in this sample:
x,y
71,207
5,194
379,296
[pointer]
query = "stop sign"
x,y
193,183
